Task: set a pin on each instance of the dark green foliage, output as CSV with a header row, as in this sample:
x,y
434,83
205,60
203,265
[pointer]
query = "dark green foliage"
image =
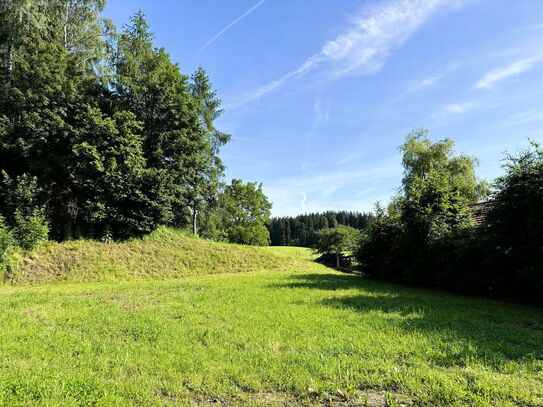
x,y
514,227
301,230
7,248
254,235
101,129
31,230
412,240
381,250
21,194
245,212
207,168
428,237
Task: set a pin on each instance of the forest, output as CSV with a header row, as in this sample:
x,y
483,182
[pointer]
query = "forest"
x,y
102,136
301,230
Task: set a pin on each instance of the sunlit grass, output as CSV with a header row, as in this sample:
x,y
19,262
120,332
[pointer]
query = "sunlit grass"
x,y
164,254
265,338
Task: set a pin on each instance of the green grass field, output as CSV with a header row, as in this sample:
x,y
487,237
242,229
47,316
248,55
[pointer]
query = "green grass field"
x,y
302,335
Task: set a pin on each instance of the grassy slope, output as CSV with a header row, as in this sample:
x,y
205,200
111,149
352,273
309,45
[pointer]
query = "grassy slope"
x,y
259,338
164,254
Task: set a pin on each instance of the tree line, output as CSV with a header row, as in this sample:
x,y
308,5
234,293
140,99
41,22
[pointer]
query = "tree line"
x,y
102,135
302,230
428,236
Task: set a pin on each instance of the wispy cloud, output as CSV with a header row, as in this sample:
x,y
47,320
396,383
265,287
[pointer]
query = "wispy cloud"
x,y
471,106
521,118
318,192
303,202
456,108
431,80
426,82
453,109
322,112
501,74
364,47
233,23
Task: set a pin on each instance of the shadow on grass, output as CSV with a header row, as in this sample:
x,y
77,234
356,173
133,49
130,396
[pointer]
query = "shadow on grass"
x,y
488,331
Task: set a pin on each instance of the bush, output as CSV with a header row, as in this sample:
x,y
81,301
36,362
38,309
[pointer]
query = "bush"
x,y
255,235
7,250
31,230
514,227
381,248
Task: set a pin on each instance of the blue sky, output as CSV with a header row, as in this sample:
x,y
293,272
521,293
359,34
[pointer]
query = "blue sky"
x,y
319,94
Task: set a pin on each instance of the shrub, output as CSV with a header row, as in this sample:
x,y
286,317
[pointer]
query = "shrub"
x,y
7,250
21,193
514,227
255,235
31,230
380,250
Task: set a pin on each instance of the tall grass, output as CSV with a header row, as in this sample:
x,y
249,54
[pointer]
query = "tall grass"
x,y
164,254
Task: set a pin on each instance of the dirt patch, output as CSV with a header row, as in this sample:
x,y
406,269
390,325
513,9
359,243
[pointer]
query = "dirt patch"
x,y
363,398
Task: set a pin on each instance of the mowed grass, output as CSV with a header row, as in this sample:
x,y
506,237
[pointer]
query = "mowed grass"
x,y
291,337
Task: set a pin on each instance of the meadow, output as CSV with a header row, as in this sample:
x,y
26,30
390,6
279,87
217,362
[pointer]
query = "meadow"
x,y
287,332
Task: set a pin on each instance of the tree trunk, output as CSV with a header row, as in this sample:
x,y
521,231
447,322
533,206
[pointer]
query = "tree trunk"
x,y
65,25
337,260
194,221
10,62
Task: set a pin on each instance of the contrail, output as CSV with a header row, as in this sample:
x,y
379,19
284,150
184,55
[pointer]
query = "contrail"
x,y
233,23
365,45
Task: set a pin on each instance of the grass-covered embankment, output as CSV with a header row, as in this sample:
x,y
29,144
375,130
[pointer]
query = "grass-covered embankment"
x,y
164,254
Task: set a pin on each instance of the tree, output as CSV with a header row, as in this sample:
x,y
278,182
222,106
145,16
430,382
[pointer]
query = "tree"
x,y
102,127
38,118
177,114
19,19
423,158
514,226
408,240
108,151
336,241
209,108
204,179
436,188
246,212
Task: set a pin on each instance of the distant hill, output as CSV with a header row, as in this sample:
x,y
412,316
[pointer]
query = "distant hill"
x,y
300,230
